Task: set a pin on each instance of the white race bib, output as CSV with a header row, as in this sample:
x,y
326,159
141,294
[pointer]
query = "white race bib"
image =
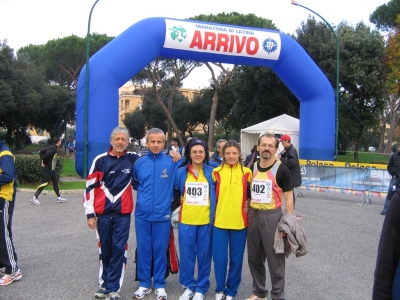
x,y
197,193
261,191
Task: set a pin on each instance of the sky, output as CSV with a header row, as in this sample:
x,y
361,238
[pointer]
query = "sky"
x,y
24,22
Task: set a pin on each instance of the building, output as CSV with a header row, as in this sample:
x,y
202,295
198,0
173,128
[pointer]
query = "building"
x,y
130,98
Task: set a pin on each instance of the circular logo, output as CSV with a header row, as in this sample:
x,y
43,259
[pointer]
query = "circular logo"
x,y
270,45
178,33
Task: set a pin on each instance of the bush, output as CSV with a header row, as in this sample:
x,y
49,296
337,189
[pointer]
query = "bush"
x,y
29,169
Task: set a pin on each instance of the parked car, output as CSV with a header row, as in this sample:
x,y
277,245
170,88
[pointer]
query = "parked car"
x,y
371,149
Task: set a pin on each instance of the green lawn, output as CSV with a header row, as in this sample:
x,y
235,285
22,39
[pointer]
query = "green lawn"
x,y
69,185
369,158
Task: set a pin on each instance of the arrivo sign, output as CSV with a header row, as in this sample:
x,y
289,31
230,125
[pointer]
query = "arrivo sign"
x,y
220,39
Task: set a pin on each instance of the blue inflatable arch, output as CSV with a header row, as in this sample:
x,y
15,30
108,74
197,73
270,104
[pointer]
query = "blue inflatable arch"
x,y
130,52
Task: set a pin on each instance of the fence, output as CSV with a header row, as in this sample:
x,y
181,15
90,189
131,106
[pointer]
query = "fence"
x,y
355,181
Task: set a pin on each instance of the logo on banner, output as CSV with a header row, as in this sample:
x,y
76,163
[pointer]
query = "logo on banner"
x,y
178,33
270,45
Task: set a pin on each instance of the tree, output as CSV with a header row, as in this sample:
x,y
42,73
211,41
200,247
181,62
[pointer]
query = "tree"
x,y
165,76
136,123
218,82
361,73
62,59
392,63
384,17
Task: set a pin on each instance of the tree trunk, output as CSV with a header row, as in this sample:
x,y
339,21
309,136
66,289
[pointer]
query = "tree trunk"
x,y
211,125
357,144
393,124
165,109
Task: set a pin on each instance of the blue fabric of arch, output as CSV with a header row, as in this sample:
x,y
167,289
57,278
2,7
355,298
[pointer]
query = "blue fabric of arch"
x,y
136,47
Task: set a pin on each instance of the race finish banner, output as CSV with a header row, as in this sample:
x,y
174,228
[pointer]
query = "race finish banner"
x,y
346,179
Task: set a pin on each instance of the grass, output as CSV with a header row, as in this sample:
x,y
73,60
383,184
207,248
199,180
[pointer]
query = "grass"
x,y
69,185
68,168
368,158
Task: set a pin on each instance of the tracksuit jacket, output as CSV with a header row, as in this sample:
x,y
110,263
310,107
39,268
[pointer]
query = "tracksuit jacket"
x,y
195,240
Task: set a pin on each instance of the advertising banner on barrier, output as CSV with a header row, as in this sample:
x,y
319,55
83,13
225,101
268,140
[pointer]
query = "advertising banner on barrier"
x,y
357,179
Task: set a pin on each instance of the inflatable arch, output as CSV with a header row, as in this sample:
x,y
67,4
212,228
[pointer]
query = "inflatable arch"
x,y
140,44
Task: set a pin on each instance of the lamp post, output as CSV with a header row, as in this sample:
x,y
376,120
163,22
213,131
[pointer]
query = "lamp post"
x,y
337,74
85,126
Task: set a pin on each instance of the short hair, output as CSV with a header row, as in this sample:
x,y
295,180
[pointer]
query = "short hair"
x,y
270,135
120,129
55,140
154,131
218,144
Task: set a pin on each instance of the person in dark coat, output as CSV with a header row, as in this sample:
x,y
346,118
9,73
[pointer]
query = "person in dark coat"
x,y
387,271
393,168
252,157
290,159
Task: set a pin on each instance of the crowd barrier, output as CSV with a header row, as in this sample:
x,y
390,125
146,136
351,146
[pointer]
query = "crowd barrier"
x,y
356,181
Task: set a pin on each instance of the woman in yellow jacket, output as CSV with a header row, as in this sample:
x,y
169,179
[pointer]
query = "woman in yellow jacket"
x,y
230,224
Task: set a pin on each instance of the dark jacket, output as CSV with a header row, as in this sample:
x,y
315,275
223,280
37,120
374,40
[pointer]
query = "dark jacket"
x,y
249,157
393,166
388,260
215,158
290,159
50,157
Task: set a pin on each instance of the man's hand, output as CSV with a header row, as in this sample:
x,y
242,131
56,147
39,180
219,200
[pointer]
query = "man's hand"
x,y
175,155
42,164
92,223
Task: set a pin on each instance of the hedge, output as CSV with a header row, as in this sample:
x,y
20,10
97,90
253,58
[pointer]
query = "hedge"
x,y
29,169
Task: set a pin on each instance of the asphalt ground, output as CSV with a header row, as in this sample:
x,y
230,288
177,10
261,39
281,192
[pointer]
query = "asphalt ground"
x,y
58,254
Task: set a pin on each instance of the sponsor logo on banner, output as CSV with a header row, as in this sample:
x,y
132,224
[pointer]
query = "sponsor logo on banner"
x,y
220,39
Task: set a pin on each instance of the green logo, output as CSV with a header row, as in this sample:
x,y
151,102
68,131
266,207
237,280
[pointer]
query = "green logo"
x,y
178,33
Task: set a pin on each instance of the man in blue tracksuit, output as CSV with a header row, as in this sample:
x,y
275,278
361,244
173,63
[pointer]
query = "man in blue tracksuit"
x,y
153,178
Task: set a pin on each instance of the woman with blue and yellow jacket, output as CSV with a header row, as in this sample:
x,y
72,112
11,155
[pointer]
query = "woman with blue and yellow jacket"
x,y
196,189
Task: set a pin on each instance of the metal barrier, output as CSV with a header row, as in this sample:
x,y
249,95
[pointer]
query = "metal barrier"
x,y
355,181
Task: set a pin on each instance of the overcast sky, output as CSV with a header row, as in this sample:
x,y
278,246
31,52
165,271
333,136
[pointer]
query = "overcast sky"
x,y
24,22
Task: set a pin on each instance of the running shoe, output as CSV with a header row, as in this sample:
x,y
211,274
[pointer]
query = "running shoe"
x,y
35,201
161,294
141,292
198,296
100,293
61,200
220,296
7,279
187,294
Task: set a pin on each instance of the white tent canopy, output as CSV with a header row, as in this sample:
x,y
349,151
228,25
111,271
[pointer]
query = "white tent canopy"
x,y
282,124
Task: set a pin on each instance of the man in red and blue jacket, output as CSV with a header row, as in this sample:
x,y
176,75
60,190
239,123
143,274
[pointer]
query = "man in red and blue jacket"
x,y
108,206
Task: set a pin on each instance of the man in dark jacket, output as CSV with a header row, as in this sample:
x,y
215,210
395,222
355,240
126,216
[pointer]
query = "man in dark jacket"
x,y
290,159
393,168
217,155
387,271
49,162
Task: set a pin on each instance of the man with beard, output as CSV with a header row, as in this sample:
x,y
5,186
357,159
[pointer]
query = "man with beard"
x,y
271,181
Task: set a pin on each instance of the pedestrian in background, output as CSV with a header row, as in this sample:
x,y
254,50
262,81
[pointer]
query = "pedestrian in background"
x,y
393,168
217,155
48,163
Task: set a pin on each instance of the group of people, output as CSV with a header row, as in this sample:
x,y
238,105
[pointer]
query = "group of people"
x,y
221,206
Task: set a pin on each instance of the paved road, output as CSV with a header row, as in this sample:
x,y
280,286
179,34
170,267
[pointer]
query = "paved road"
x,y
58,253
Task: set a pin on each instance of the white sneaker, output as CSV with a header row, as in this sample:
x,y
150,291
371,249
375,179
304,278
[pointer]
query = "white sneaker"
x,y
229,298
35,201
219,296
187,294
198,296
161,294
61,200
141,292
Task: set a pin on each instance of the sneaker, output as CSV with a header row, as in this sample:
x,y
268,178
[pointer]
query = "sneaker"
x,y
113,296
229,298
7,279
187,294
61,200
141,292
254,297
198,296
161,294
35,201
219,296
100,293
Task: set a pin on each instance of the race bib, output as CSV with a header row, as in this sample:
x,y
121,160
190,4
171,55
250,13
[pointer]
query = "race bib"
x,y
261,191
197,193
